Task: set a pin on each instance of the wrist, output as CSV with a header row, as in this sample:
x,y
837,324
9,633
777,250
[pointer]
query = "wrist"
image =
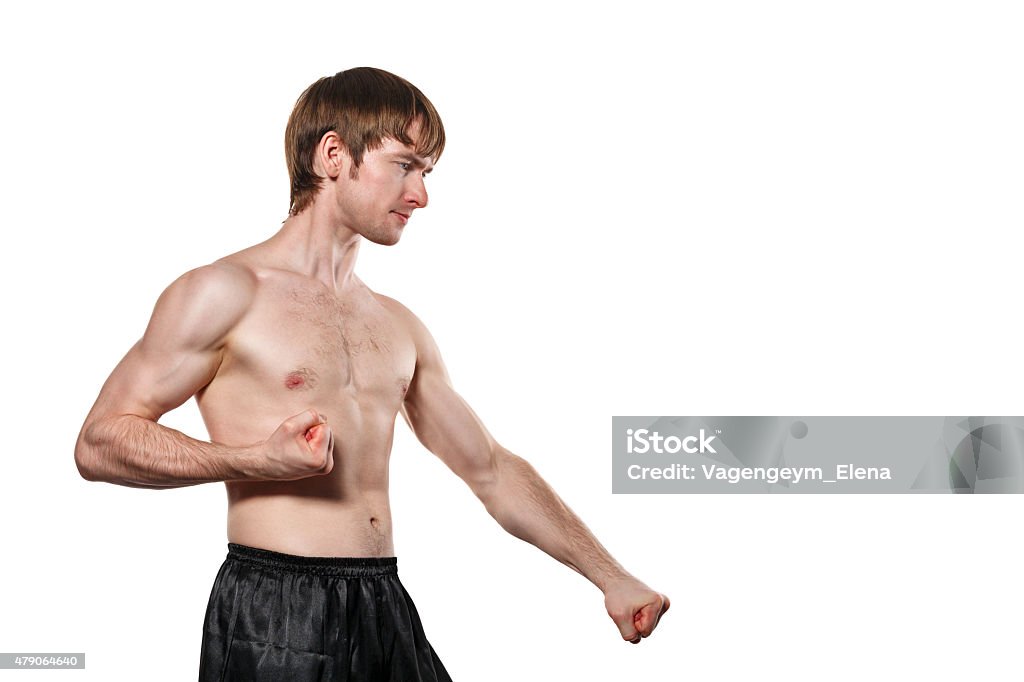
x,y
612,579
249,463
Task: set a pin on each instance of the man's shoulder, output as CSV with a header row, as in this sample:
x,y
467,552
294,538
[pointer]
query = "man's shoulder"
x,y
204,302
399,311
392,305
224,281
408,320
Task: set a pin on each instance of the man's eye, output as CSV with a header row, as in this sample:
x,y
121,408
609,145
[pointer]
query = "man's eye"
x,y
404,166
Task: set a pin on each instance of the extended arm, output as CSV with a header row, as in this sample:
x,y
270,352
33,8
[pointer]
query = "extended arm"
x,y
514,493
121,441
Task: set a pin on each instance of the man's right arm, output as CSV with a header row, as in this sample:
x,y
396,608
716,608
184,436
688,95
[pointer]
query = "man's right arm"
x,y
180,352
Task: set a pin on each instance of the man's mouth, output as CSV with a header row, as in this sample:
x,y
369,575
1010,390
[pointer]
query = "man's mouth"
x,y
404,217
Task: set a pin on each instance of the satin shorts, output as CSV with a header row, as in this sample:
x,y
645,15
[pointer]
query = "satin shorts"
x,y
275,616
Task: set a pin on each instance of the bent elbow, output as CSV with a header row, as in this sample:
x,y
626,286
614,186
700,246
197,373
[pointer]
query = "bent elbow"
x,y
499,480
484,479
84,464
85,457
485,488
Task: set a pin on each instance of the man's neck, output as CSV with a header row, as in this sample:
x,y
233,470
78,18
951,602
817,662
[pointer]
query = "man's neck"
x,y
320,246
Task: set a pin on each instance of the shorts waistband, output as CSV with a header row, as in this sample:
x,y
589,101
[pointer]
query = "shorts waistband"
x,y
341,566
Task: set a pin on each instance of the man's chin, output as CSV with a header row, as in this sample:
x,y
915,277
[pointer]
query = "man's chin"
x,y
385,239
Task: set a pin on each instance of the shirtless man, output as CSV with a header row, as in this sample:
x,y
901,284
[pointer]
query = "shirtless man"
x,y
299,371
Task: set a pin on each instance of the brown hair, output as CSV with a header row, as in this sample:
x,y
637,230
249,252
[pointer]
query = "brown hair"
x,y
364,106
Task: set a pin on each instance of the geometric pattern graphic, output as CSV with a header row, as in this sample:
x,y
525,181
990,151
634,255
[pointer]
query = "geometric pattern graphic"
x,y
976,455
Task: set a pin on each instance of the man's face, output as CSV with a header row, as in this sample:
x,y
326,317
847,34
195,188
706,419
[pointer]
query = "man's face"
x,y
388,187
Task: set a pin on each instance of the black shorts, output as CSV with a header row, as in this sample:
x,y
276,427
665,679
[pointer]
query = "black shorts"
x,y
275,616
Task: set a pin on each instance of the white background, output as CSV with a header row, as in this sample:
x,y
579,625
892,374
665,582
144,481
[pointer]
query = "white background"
x,y
721,208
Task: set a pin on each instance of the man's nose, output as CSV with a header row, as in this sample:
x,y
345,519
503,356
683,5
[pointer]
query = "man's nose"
x,y
416,192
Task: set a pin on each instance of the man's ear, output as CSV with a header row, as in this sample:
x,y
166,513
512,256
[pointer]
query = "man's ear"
x,y
331,158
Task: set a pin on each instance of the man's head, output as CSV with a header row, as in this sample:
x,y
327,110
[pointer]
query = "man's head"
x,y
364,107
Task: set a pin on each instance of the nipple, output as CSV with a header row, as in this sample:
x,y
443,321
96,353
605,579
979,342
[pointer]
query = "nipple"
x,y
301,378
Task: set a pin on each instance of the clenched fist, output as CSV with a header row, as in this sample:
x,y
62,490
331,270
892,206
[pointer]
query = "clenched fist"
x,y
635,608
301,446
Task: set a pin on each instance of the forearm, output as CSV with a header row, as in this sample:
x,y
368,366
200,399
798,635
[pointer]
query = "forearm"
x,y
527,507
132,451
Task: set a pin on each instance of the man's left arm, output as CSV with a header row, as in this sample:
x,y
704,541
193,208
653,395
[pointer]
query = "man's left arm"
x,y
514,493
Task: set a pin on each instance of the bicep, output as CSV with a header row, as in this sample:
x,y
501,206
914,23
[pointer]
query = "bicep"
x,y
448,427
181,349
443,421
149,382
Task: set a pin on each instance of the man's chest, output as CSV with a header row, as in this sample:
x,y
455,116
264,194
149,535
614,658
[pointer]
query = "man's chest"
x,y
306,342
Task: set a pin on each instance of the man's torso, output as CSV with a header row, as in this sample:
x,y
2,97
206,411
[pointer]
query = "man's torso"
x,y
301,345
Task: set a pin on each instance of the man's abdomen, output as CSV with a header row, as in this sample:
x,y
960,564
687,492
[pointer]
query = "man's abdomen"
x,y
292,518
